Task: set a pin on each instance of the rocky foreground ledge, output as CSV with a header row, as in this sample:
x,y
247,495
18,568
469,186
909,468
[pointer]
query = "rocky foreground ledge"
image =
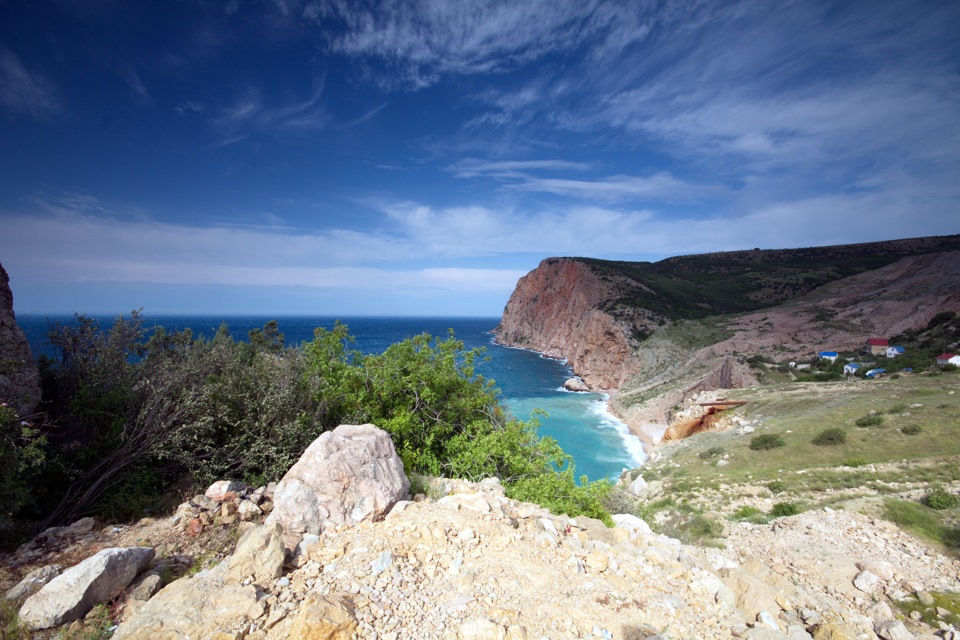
x,y
465,562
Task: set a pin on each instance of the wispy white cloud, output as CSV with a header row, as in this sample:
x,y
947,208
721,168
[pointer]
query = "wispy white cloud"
x,y
251,112
427,39
661,186
473,167
138,91
27,91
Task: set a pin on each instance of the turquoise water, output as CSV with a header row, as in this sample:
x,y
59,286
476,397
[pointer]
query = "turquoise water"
x,y
600,445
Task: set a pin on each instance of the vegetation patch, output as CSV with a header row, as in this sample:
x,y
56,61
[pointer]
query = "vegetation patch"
x,y
911,429
945,601
783,509
712,452
830,437
776,487
922,521
767,441
939,499
749,513
874,420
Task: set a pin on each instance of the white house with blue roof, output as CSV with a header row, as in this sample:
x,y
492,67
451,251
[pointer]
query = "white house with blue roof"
x,y
828,355
851,368
893,352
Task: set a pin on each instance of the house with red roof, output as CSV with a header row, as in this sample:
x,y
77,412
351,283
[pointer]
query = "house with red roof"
x,y
948,358
877,346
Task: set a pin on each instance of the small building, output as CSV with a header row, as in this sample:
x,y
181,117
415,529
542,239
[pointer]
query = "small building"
x,y
893,352
851,368
948,358
802,365
873,373
828,355
877,346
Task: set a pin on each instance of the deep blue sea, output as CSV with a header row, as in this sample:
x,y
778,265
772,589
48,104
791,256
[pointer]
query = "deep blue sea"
x,y
600,445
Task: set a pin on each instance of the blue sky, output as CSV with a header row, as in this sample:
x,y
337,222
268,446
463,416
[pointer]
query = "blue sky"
x,y
416,157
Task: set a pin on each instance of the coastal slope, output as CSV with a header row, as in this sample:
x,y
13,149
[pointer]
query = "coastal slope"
x,y
655,335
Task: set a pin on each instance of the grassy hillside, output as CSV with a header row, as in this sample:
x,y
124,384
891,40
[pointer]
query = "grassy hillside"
x,y
890,443
698,286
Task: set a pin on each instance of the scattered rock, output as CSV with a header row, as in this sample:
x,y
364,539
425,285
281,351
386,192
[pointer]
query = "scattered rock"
x,y
33,582
866,581
70,595
576,384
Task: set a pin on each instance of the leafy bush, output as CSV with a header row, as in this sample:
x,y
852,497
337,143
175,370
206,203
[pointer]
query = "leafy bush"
x,y
747,513
767,441
712,452
830,437
776,487
782,509
897,408
911,429
939,499
870,421
136,416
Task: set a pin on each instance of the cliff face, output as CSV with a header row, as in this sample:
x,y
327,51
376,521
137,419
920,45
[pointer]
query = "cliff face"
x,y
557,309
19,380
590,313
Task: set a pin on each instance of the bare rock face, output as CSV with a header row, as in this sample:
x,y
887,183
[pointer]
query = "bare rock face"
x,y
19,379
555,310
347,475
74,592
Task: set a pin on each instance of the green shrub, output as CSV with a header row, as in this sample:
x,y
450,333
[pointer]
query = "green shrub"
x,y
782,509
136,415
874,420
939,499
776,487
747,513
897,408
712,452
767,441
830,437
854,462
911,429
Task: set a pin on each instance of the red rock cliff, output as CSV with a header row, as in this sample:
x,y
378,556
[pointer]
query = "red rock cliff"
x,y
557,309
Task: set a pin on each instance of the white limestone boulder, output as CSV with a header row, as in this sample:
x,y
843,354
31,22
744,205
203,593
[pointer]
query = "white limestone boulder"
x,y
345,476
74,592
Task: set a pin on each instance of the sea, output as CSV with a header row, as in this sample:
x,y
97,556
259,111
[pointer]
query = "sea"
x,y
600,444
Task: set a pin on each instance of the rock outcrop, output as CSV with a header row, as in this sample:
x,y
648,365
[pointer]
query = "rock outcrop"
x,y
70,595
19,379
347,475
556,309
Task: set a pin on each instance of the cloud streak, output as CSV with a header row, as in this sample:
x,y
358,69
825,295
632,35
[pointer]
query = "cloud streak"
x,y
27,91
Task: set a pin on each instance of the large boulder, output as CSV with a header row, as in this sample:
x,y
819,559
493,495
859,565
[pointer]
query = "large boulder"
x,y
200,606
74,592
19,378
347,475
